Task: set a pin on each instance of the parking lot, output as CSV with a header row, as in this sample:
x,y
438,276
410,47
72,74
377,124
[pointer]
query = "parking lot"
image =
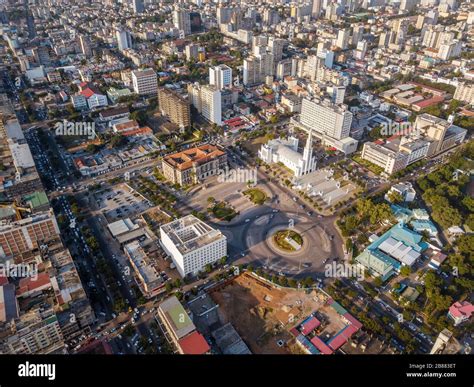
x,y
118,202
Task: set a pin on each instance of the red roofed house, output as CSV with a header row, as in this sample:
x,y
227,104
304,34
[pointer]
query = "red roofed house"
x,y
32,285
93,96
193,344
125,126
460,311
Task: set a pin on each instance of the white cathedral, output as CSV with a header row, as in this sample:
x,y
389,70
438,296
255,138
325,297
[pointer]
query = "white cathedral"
x,y
286,152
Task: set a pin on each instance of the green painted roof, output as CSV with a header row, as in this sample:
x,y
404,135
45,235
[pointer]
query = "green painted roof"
x,y
179,316
338,308
36,199
176,317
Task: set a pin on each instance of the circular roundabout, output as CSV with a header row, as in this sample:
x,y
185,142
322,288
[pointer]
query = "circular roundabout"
x,y
286,242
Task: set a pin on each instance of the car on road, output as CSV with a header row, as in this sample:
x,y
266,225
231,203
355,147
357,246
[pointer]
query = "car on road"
x,y
247,220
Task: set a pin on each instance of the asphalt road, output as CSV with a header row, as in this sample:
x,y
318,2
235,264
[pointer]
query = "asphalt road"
x,y
248,233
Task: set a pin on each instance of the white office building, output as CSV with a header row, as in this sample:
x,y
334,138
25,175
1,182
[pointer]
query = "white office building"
x,y
145,82
192,244
326,117
329,122
220,76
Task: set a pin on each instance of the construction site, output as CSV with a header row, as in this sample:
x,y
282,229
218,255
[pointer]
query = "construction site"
x,y
263,313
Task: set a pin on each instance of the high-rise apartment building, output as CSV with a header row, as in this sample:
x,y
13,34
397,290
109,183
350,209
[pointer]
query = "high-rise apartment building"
x,y
342,40
182,20
174,106
84,44
145,82
326,117
124,39
316,8
220,76
465,92
211,104
207,99
138,6
275,47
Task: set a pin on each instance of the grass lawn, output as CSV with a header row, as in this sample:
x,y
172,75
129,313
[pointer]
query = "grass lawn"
x,y
256,195
370,166
281,236
223,211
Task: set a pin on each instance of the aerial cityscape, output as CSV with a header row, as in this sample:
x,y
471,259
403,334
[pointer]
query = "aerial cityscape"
x,y
236,177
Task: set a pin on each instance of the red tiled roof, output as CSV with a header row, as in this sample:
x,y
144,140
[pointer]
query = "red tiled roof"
x,y
194,344
429,102
134,132
294,331
310,325
200,155
341,338
460,309
356,323
29,284
87,92
466,112
128,125
321,346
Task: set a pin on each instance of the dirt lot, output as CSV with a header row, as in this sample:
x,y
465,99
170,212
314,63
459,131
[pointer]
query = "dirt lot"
x,y
263,314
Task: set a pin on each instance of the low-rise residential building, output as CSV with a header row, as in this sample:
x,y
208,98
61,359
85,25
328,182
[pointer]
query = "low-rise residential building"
x,y
93,96
460,312
404,189
181,329
149,279
115,94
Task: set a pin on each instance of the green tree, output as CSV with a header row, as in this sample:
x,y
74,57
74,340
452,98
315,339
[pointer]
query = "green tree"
x,y
405,270
378,281
395,197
